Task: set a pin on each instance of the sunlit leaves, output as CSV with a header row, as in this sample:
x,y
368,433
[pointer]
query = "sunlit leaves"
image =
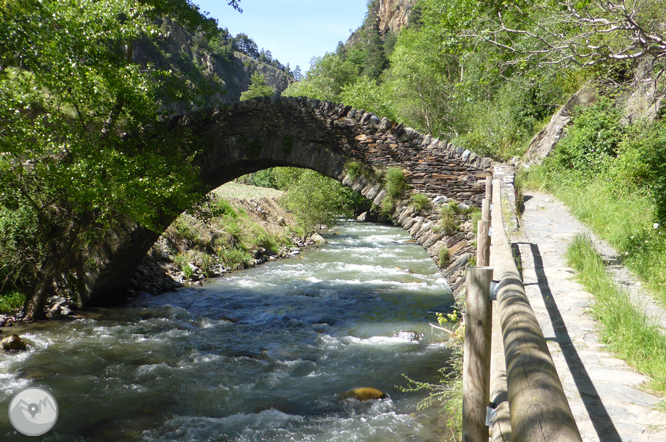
x,y
82,136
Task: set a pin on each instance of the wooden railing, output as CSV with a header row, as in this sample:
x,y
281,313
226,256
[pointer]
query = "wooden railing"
x,y
528,402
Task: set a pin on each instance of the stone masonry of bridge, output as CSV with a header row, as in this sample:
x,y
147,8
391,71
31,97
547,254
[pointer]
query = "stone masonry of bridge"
x,y
300,132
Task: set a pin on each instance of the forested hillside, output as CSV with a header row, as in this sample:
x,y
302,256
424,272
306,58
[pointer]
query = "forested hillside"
x,y
486,75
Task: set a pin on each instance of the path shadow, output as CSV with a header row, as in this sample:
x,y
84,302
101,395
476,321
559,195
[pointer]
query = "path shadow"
x,y
602,422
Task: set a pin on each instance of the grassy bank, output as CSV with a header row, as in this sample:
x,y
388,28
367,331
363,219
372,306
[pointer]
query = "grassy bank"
x,y
626,331
227,234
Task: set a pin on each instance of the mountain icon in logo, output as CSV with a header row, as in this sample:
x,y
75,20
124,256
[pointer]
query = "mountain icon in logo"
x,y
33,411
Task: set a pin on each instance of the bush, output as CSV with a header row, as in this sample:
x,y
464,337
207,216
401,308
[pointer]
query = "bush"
x,y
11,301
235,258
591,144
315,200
420,202
444,256
449,220
395,187
395,184
354,169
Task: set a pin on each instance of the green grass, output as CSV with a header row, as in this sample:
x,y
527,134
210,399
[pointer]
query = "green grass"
x,y
227,236
622,217
626,331
243,191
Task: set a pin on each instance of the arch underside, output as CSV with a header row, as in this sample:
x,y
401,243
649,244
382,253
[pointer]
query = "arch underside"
x,y
299,132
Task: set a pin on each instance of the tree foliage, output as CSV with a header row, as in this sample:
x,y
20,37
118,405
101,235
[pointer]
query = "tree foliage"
x,y
258,88
581,32
83,136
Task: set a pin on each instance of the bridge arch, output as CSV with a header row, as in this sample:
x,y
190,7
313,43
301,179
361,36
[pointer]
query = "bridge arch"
x,y
249,136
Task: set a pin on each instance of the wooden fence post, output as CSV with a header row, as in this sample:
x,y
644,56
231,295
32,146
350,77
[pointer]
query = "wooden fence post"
x,y
485,209
476,361
483,243
489,188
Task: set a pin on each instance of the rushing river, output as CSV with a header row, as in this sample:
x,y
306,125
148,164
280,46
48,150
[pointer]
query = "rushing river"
x,y
259,355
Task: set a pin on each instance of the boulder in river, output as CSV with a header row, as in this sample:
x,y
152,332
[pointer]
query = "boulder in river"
x,y
363,394
13,343
317,238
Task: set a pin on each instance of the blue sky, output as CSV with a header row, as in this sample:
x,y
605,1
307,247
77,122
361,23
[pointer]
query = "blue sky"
x,y
293,30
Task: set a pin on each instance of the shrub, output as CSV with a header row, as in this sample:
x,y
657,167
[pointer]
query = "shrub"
x,y
592,142
354,169
11,301
235,258
395,184
420,202
395,187
444,256
449,220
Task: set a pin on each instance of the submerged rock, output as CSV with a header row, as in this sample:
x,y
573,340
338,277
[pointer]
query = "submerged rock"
x,y
13,343
363,394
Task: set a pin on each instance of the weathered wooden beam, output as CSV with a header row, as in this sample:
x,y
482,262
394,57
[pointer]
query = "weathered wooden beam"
x,y
485,209
538,406
483,243
499,396
476,361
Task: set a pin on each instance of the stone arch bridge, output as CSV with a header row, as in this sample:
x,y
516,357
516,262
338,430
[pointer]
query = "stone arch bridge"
x,y
300,132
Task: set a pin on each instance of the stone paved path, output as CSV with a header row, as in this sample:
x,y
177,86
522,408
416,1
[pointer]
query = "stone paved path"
x,y
604,392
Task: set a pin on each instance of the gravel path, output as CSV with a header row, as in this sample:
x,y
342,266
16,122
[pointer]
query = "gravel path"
x,y
604,392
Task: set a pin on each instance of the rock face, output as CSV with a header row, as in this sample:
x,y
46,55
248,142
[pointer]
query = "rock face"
x,y
647,98
389,15
393,14
13,343
227,78
543,143
363,394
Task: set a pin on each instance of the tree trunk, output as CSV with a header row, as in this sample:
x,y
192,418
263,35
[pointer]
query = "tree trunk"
x,y
34,307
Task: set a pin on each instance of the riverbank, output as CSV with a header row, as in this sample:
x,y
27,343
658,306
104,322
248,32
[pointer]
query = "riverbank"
x,y
241,226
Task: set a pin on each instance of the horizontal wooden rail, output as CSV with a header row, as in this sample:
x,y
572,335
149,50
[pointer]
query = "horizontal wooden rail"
x,y
538,408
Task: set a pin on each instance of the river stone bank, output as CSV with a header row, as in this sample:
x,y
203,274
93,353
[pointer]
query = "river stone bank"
x,y
159,271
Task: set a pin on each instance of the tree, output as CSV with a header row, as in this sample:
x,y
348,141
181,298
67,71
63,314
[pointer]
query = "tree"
x,y
584,33
258,88
243,43
84,142
298,75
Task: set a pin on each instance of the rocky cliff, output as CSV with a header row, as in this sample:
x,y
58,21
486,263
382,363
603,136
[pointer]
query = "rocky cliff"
x,y
393,14
221,79
389,15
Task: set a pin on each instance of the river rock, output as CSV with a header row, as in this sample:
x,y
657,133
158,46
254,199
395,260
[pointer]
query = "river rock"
x,y
317,238
363,394
13,343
